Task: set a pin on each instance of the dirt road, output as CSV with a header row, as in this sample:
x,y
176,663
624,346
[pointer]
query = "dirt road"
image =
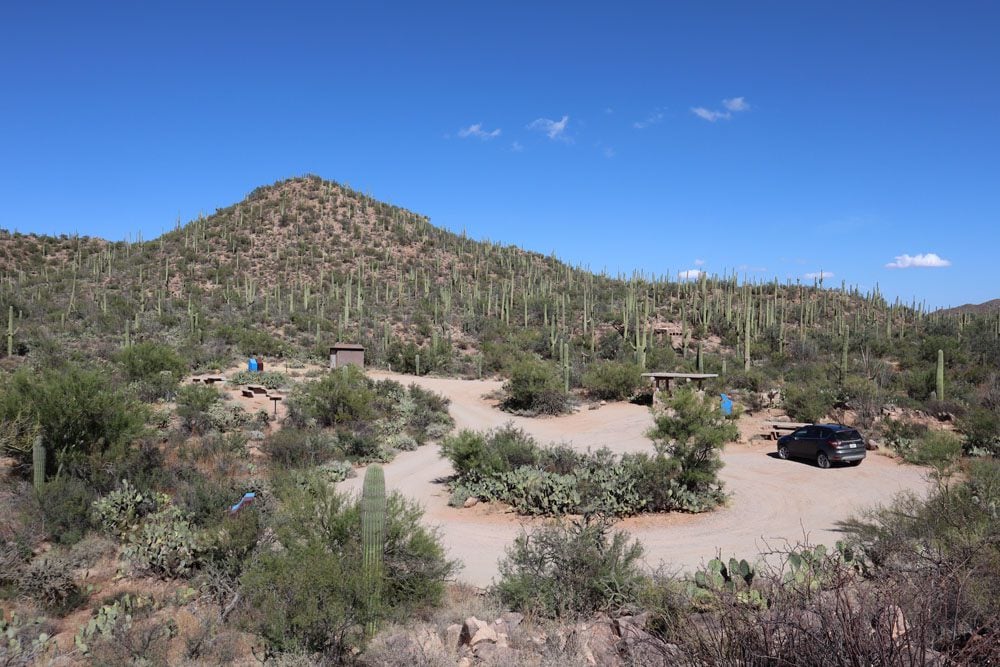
x,y
773,501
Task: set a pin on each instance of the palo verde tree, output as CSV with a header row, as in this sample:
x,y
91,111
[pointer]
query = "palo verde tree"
x,y
693,431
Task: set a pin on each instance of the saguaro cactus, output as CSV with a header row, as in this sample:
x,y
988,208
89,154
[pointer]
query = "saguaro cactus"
x,y
373,541
940,376
38,462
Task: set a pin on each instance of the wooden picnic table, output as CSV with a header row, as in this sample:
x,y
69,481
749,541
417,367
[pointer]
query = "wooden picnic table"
x,y
779,428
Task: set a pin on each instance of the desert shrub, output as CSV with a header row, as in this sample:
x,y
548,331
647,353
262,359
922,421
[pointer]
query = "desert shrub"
x,y
981,428
944,543
84,420
807,402
300,448
65,503
155,368
343,398
225,417
693,431
476,456
266,379
901,435
535,387
429,419
363,447
572,569
193,404
939,449
507,465
49,580
310,595
612,381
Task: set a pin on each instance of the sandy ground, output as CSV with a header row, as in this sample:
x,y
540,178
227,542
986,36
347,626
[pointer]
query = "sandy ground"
x,y
773,501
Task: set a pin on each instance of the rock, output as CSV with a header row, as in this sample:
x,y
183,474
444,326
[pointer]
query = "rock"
x,y
453,636
470,627
430,642
498,655
486,634
471,501
604,403
512,619
475,632
597,642
871,445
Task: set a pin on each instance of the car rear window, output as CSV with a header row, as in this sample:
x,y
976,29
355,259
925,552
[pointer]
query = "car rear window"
x,y
847,435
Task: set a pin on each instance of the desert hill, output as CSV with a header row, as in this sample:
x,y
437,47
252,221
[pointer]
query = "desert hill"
x,y
304,262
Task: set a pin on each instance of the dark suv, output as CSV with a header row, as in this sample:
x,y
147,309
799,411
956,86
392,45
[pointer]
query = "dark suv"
x,y
825,444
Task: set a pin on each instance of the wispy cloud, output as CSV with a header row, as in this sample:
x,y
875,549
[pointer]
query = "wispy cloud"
x,y
609,152
652,119
749,268
736,104
709,115
476,130
818,275
690,274
926,261
699,262
516,147
731,104
554,129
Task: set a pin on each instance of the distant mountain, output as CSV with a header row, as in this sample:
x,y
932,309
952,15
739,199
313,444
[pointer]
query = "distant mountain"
x,y
978,308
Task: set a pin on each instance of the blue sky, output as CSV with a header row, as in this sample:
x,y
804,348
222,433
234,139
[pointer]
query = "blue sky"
x,y
775,138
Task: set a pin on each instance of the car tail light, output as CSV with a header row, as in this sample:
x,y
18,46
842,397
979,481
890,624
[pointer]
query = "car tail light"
x,y
832,442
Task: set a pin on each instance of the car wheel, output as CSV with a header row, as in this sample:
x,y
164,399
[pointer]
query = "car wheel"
x,y
856,463
783,452
822,460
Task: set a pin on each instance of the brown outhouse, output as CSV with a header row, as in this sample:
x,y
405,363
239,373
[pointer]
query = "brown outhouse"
x,y
343,354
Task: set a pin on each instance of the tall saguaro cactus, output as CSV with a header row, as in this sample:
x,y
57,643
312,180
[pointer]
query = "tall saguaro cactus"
x,y
38,462
373,542
940,376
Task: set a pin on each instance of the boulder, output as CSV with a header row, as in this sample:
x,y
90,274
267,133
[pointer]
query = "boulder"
x,y
453,636
471,501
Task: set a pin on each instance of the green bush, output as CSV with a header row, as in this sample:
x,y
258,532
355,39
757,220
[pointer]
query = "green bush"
x,y
297,448
535,387
193,404
309,595
155,368
807,403
938,449
572,569
693,432
85,421
981,428
611,380
343,398
65,503
266,379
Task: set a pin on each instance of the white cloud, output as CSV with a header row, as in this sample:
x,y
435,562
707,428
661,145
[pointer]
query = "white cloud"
x,y
736,104
818,275
651,119
609,152
709,115
699,262
752,269
554,129
690,274
476,130
732,105
928,261
516,147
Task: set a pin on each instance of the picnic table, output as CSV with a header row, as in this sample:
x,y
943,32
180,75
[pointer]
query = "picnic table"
x,y
778,429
